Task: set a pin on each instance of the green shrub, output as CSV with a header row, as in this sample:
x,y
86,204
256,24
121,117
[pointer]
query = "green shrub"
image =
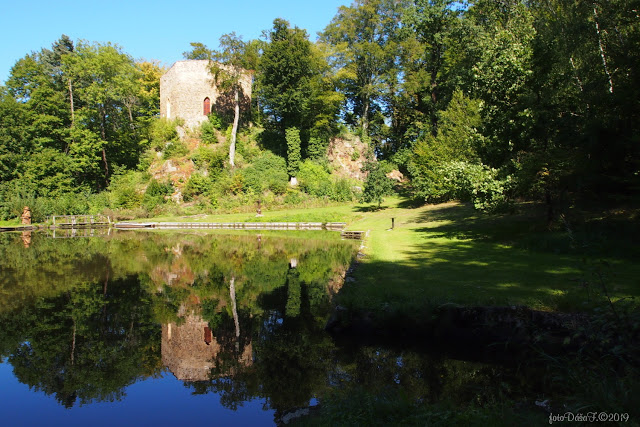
x,y
216,120
355,155
317,148
278,187
463,181
97,203
211,160
207,133
175,149
268,171
158,189
146,160
315,179
377,185
197,185
342,190
123,191
162,131
230,183
293,197
155,193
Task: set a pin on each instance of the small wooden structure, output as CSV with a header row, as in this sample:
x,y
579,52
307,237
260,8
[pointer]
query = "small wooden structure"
x,y
72,233
355,235
80,221
331,226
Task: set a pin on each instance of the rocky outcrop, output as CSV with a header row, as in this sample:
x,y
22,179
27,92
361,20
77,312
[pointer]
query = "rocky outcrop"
x,y
347,156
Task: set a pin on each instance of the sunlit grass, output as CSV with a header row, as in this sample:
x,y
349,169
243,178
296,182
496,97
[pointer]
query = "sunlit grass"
x,y
449,253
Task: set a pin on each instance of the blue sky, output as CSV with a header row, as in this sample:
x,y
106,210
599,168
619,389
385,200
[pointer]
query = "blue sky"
x,y
159,30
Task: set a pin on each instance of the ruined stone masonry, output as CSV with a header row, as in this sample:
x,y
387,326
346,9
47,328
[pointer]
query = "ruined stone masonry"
x,y
188,91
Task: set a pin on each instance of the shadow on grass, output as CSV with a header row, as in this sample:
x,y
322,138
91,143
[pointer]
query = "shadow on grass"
x,y
600,236
369,208
465,273
466,257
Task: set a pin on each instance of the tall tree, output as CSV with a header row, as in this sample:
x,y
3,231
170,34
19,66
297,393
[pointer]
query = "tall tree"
x,y
363,36
83,111
229,71
432,24
285,75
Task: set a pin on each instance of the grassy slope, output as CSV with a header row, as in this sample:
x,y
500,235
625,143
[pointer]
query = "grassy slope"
x,y
451,253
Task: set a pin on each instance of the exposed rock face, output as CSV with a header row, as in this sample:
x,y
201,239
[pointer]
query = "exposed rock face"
x,y
396,175
348,157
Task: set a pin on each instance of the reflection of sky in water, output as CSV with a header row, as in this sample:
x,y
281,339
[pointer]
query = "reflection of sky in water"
x,y
160,401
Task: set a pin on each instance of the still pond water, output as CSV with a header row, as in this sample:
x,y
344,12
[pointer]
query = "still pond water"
x,y
148,328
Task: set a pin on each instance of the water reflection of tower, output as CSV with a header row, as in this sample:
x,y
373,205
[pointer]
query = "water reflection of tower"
x,y
190,351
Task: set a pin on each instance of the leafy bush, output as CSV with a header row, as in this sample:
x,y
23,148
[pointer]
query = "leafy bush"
x,y
123,191
216,120
315,179
208,128
97,203
155,189
268,171
230,183
175,149
146,160
163,131
212,160
208,133
317,148
293,197
355,155
464,181
342,190
377,185
155,193
197,185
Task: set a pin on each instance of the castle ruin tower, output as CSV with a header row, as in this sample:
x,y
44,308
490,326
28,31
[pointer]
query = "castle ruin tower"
x,y
188,91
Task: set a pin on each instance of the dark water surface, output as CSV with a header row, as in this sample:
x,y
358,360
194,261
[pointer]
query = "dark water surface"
x,y
156,328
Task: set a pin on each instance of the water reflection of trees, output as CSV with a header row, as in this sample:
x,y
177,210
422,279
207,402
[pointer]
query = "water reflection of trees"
x,y
86,344
88,325
240,316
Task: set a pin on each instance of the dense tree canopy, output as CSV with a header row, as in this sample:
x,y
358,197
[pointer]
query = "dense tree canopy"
x,y
540,95
74,114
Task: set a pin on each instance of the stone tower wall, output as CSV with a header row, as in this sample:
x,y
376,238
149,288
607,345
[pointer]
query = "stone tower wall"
x,y
184,88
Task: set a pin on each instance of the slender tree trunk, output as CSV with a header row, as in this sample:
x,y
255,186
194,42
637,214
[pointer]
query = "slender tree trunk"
x,y
601,46
103,134
232,293
434,94
73,117
234,129
575,71
73,342
365,119
104,295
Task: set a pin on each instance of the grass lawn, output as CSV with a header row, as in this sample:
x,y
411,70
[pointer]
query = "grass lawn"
x,y
332,213
450,253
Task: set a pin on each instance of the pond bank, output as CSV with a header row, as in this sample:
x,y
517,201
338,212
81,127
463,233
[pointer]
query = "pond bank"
x,y
479,332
